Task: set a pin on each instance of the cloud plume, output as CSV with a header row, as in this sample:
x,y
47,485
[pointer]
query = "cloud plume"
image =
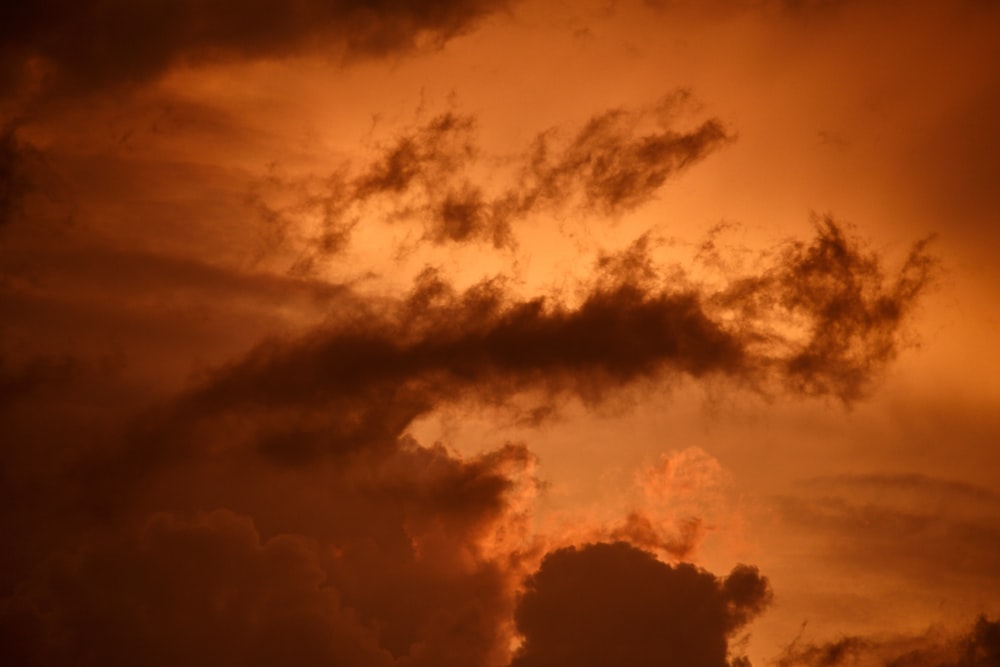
x,y
378,368
438,175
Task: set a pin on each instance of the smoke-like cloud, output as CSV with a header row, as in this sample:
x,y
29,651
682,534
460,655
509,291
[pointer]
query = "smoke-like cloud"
x,y
613,604
977,647
357,384
377,368
434,174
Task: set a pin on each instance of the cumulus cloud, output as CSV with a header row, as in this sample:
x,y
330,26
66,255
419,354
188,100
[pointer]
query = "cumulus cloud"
x,y
391,559
612,604
198,589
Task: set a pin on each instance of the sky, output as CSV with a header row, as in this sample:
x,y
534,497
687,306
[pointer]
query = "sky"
x,y
500,333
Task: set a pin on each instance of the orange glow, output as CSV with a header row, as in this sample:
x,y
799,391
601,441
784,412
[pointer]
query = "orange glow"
x,y
343,334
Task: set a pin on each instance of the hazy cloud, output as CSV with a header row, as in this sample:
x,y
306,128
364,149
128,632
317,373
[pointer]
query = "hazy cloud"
x,y
15,178
978,647
79,47
187,590
901,524
437,175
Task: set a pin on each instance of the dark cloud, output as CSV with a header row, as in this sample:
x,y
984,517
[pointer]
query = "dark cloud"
x,y
642,531
407,534
426,174
417,547
612,166
85,46
433,174
377,368
321,511
205,589
612,604
388,559
15,177
21,382
852,311
978,647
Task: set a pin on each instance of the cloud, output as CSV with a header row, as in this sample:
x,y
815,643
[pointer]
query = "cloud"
x,y
437,174
901,526
16,159
293,461
198,589
420,549
613,168
977,647
375,369
837,294
81,47
21,382
390,559
613,604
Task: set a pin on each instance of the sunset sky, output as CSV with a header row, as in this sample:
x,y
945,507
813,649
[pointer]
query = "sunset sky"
x,y
487,333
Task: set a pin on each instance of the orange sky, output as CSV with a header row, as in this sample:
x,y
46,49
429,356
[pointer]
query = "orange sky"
x,y
455,332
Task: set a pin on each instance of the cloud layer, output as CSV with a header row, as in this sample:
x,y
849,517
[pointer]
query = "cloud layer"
x,y
210,448
81,47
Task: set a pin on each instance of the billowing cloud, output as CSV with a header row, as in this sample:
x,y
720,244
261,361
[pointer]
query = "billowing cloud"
x,y
392,559
613,604
187,590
